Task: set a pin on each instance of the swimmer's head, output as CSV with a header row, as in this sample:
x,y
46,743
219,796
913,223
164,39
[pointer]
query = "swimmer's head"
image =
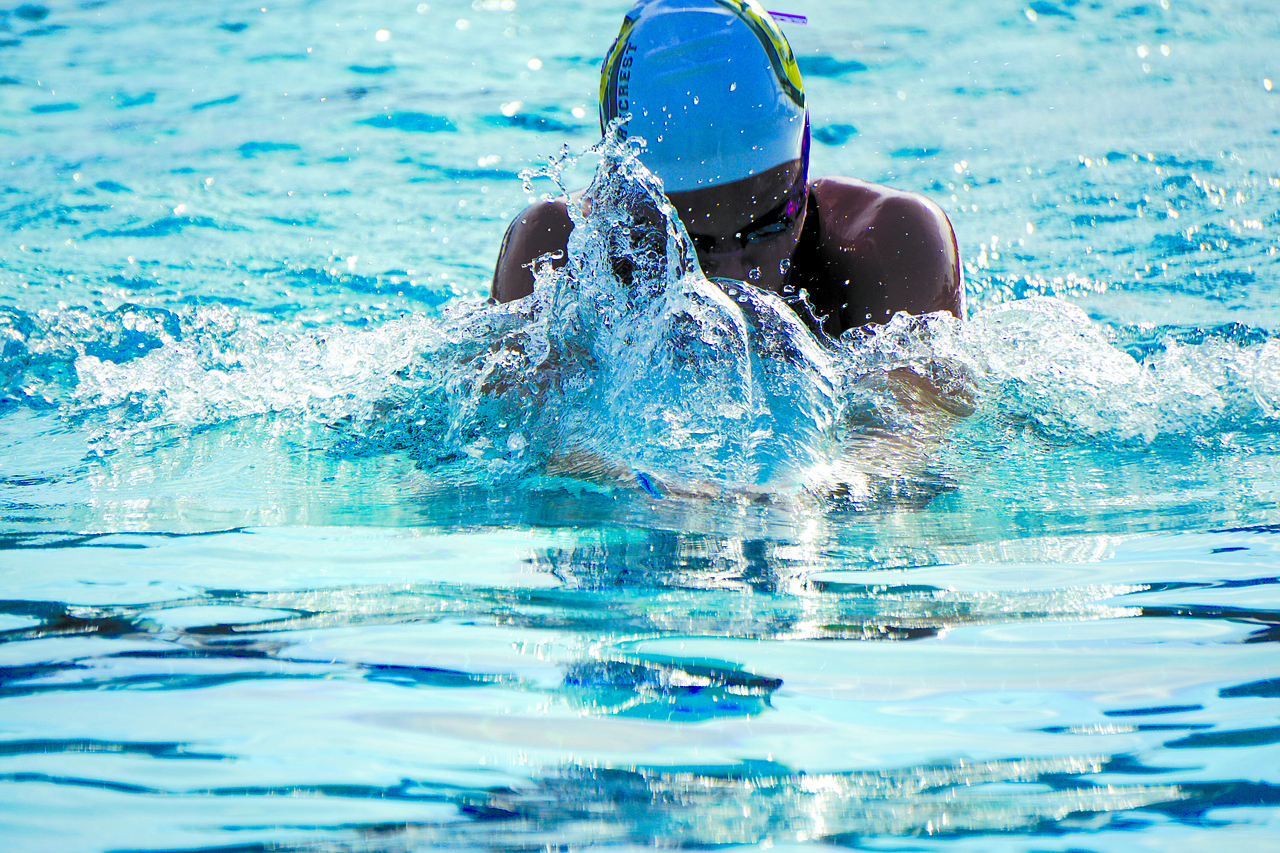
x,y
711,86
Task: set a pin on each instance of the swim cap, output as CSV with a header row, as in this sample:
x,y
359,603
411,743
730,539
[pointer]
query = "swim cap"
x,y
711,86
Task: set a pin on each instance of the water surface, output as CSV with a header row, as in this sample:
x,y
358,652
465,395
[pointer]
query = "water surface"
x,y
282,570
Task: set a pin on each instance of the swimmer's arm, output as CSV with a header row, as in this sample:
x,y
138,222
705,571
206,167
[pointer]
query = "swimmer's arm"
x,y
542,228
886,251
592,467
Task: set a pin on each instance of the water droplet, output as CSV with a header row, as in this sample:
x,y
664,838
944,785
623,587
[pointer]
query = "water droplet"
x,y
784,266
754,275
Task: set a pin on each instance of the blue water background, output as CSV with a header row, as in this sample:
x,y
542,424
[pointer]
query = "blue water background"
x,y
257,594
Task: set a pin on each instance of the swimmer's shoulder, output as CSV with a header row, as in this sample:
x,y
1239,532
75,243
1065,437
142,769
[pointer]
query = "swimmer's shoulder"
x,y
541,228
848,207
882,250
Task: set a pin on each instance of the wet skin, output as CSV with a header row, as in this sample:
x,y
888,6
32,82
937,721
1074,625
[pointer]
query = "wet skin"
x,y
863,252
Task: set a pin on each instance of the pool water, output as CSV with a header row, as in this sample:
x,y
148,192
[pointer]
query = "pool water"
x,y
307,548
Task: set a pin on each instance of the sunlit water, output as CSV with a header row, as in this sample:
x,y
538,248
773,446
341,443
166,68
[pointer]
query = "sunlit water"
x,y
306,547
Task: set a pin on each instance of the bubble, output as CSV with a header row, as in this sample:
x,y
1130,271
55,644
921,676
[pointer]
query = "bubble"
x,y
784,266
754,274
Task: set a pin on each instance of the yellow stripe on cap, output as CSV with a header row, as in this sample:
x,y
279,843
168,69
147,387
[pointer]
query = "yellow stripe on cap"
x,y
609,74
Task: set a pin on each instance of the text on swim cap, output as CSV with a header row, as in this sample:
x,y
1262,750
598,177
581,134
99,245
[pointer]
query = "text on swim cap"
x,y
622,98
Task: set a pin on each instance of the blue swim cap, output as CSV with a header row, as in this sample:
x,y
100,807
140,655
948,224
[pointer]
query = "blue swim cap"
x,y
711,86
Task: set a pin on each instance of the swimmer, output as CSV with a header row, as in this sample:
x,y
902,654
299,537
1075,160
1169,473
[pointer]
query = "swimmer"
x,y
713,88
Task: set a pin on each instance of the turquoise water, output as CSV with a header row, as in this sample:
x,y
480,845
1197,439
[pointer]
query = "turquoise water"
x,y
305,548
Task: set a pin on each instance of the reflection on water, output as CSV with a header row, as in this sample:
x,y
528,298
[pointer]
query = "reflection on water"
x,y
765,802
696,807
554,693
710,587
